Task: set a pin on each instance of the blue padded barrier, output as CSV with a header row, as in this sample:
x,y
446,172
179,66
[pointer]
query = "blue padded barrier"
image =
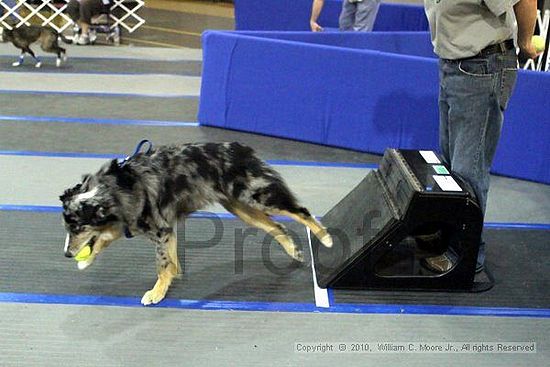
x,y
405,43
524,148
401,17
361,91
293,15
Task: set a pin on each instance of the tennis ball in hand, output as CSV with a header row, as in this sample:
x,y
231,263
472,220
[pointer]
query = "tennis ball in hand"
x,y
83,254
538,43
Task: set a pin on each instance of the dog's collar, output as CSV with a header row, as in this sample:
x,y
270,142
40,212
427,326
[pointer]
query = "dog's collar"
x,y
122,162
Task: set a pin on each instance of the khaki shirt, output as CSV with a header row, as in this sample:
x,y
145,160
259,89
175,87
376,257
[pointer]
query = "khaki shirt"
x,y
462,28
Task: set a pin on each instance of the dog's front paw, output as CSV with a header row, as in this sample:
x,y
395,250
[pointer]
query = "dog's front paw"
x,y
17,63
38,64
152,297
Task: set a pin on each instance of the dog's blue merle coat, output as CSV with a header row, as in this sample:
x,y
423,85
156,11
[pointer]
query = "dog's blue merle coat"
x,y
151,190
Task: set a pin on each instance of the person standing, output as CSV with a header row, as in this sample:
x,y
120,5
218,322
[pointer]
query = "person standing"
x,y
474,40
356,15
81,12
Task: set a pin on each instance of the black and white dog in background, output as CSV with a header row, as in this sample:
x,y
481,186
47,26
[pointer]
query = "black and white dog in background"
x,y
24,36
148,192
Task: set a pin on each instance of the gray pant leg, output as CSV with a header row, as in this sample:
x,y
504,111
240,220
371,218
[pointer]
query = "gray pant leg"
x,y
366,15
347,16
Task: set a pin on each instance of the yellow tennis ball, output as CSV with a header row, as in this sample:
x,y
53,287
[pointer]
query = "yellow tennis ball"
x,y
83,254
538,43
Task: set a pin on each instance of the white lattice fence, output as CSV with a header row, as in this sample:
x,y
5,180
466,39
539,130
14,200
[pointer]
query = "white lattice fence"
x,y
21,12
130,20
48,12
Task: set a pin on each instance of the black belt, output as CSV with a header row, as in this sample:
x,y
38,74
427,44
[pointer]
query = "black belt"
x,y
501,47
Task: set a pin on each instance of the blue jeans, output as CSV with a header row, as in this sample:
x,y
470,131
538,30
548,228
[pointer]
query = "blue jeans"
x,y
473,95
358,16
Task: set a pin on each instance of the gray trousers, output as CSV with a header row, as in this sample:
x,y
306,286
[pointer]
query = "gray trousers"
x,y
84,10
358,15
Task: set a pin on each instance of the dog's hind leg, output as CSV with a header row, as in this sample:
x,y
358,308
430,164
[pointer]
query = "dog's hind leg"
x,y
51,45
259,219
60,52
61,56
275,198
167,269
21,59
302,215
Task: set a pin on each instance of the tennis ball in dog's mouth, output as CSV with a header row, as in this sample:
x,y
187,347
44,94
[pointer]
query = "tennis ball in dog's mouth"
x,y
83,254
538,43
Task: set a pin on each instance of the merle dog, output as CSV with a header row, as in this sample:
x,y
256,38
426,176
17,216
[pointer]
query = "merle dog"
x,y
149,191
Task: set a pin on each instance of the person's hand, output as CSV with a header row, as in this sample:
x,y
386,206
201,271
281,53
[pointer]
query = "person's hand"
x,y
527,50
315,27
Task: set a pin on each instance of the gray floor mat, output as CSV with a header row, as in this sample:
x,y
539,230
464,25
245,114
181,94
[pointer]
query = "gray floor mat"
x,y
104,65
519,261
153,85
215,267
96,107
219,267
189,25
113,139
121,53
58,335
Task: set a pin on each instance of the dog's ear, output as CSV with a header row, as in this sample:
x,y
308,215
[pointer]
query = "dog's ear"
x,y
101,213
69,193
86,178
114,167
77,189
